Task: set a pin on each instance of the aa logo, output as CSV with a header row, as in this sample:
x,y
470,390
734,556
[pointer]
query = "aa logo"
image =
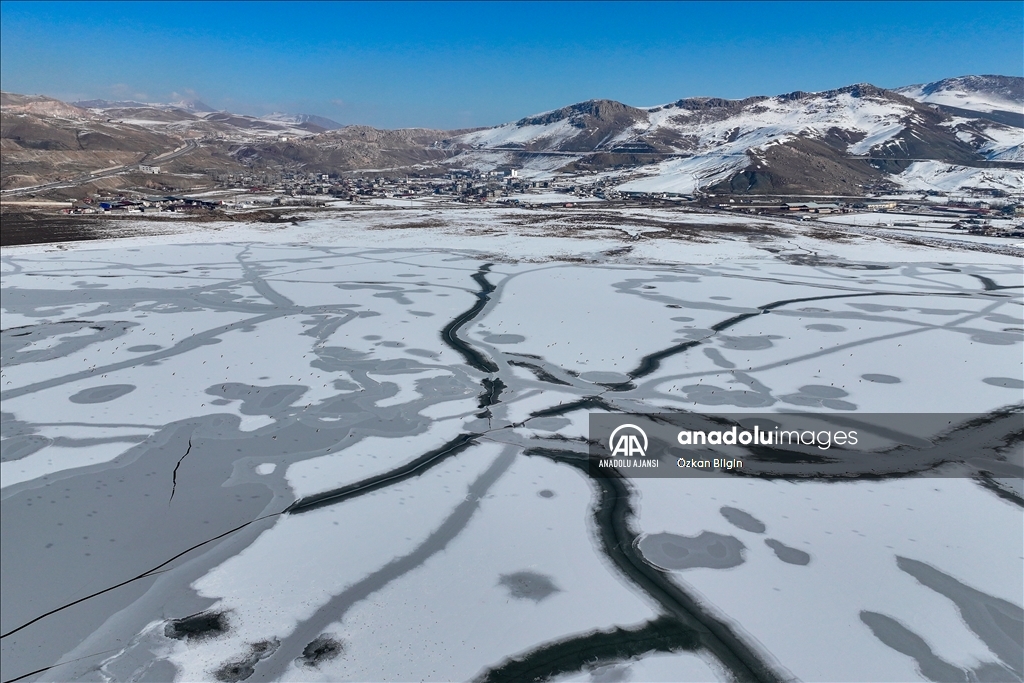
x,y
628,440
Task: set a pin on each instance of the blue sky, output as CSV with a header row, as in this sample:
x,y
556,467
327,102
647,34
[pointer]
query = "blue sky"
x,y
462,64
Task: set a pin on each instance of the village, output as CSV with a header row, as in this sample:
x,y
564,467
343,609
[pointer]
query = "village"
x,y
985,212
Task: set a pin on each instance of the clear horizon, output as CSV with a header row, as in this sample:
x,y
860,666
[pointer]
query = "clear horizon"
x,y
460,65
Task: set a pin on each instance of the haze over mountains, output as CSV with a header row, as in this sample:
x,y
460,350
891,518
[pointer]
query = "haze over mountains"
x,y
945,136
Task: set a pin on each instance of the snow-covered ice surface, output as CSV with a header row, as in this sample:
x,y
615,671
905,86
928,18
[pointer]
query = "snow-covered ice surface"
x,y
353,449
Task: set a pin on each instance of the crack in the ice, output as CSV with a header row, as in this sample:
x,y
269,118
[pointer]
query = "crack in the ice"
x,y
449,333
412,468
149,572
54,666
651,362
174,474
612,513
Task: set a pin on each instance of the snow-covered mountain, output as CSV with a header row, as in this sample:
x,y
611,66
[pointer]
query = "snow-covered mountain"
x,y
834,141
299,119
976,93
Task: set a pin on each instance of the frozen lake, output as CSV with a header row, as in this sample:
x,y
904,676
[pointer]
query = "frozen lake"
x,y
338,452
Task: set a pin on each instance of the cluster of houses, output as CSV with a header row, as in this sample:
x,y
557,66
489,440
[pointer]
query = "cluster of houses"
x,y
460,185
141,204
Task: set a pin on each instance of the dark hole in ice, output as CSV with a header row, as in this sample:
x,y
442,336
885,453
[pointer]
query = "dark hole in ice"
x,y
102,394
787,554
235,671
546,493
743,520
322,649
527,585
881,379
708,549
1008,382
197,626
246,667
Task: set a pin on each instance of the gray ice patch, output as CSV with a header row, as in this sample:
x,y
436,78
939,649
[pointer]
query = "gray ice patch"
x,y
16,342
337,358
1008,382
711,550
880,378
718,359
824,327
423,353
998,623
257,400
549,424
877,308
787,554
12,426
1000,318
743,520
504,339
602,377
696,333
18,447
527,585
819,396
144,348
902,639
102,394
822,391
749,343
711,395
996,338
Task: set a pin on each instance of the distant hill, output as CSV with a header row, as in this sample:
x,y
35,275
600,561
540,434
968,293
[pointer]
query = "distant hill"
x,y
187,105
955,133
